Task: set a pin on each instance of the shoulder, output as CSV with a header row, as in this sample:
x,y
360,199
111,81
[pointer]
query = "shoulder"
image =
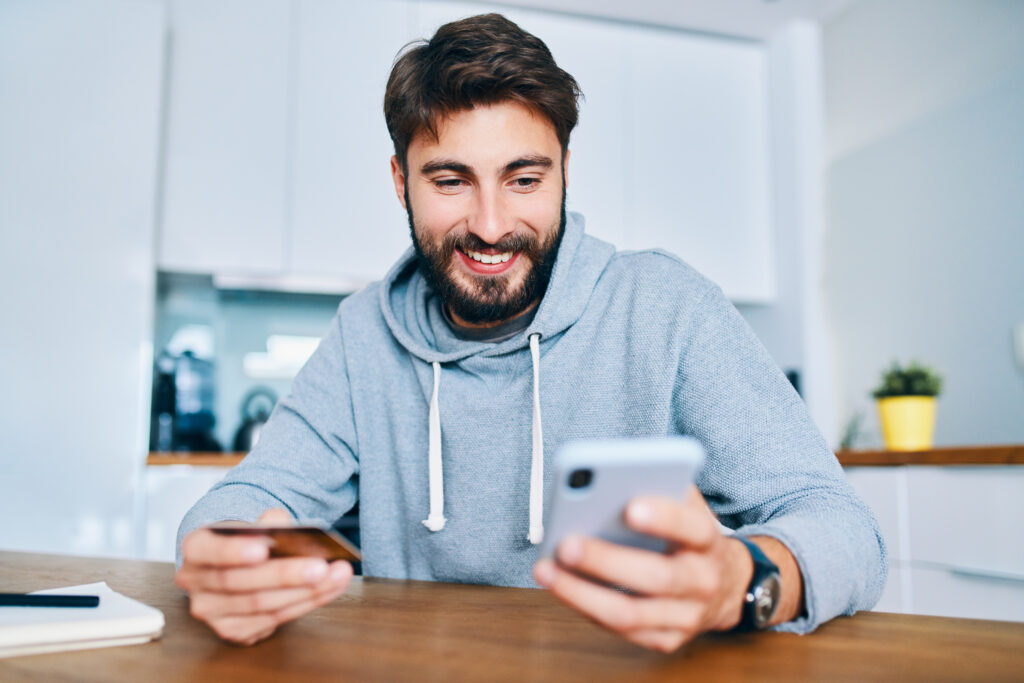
x,y
659,277
361,305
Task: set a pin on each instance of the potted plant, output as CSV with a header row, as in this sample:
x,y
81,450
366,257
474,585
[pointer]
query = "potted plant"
x,y
906,406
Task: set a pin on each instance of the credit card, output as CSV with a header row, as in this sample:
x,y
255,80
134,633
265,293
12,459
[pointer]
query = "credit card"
x,y
298,541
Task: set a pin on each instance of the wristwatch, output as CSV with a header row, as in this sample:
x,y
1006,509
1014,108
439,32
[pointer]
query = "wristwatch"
x,y
762,596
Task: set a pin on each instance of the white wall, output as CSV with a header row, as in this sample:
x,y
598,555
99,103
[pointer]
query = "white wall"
x,y
925,236
79,116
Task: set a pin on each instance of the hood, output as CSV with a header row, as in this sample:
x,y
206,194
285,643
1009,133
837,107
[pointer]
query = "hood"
x,y
412,308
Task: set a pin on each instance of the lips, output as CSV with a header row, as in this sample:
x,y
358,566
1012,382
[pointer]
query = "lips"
x,y
488,264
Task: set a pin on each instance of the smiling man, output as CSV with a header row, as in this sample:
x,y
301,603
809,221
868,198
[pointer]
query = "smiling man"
x,y
490,210
426,399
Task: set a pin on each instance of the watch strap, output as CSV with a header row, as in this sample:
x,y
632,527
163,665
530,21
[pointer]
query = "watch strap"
x,y
764,571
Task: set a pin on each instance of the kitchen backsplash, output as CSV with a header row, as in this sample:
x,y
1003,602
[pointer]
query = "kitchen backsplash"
x,y
237,326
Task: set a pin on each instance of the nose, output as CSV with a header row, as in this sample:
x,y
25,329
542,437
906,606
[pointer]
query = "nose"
x,y
491,219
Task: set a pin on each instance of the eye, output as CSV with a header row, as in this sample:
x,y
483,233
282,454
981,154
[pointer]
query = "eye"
x,y
449,184
525,184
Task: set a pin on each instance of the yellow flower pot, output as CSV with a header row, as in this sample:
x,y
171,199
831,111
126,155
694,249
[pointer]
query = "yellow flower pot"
x,y
908,422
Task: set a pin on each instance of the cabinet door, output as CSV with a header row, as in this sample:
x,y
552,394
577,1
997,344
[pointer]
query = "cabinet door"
x,y
968,518
346,219
947,592
884,490
170,494
699,157
594,52
225,179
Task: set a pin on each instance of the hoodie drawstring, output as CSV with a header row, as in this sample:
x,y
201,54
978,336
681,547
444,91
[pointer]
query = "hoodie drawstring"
x,y
537,466
436,520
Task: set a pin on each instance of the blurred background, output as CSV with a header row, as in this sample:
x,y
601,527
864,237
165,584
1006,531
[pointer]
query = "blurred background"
x,y
188,188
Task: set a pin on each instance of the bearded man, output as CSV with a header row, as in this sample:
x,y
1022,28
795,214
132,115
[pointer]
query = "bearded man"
x,y
504,332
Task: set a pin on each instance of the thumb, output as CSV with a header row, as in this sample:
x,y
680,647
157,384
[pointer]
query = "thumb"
x,y
276,517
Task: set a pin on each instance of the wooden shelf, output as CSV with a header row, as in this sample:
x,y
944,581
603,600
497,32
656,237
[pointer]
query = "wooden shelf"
x,y
951,455
200,459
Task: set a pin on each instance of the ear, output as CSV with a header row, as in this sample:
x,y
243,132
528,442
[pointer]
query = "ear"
x,y
399,178
565,168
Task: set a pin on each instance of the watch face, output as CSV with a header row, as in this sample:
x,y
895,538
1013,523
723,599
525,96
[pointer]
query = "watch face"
x,y
766,600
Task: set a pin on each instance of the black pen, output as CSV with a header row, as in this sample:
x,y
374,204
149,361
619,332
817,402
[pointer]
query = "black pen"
x,y
25,600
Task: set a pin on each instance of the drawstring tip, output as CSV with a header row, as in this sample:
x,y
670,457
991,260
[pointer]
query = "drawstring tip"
x,y
434,522
536,534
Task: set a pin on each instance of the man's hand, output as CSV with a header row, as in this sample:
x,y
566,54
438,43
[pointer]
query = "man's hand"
x,y
242,594
697,586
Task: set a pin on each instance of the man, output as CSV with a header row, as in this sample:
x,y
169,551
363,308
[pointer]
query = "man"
x,y
504,333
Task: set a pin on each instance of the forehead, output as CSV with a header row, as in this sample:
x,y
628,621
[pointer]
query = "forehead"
x,y
487,135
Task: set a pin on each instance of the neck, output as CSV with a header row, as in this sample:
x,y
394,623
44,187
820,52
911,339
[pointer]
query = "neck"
x,y
490,323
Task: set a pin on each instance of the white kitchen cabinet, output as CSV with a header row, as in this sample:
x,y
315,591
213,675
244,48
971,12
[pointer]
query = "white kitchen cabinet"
x,y
171,490
672,148
80,98
950,592
226,174
277,152
955,543
346,218
968,517
594,52
698,162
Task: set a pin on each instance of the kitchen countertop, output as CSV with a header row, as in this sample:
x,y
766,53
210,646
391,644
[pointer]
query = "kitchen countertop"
x,y
943,455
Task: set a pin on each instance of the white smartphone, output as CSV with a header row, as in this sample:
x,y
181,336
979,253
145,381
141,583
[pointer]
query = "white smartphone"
x,y
594,480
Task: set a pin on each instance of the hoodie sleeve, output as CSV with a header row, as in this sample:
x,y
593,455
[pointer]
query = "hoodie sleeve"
x,y
305,458
769,471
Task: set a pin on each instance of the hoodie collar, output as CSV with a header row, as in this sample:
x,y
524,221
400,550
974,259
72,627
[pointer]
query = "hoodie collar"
x,y
412,309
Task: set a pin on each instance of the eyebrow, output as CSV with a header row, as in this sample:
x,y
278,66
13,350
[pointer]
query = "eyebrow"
x,y
527,161
436,165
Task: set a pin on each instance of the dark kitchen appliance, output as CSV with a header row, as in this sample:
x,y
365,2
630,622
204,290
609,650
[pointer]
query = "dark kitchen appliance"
x,y
256,408
182,415
164,410
193,383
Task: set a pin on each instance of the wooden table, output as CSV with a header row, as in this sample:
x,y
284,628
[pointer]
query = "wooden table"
x,y
412,631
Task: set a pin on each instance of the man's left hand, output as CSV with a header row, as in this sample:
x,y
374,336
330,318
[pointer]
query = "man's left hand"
x,y
697,586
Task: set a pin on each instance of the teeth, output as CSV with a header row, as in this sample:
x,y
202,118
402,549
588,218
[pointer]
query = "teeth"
x,y
489,258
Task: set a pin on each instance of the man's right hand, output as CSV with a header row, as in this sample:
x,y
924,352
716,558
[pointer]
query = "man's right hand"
x,y
244,595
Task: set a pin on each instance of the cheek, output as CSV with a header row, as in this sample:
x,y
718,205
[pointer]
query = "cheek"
x,y
541,212
437,215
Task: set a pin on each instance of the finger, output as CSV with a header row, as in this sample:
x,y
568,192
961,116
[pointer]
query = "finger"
x,y
297,610
688,522
209,606
204,547
245,630
276,517
619,612
288,572
684,575
662,640
250,629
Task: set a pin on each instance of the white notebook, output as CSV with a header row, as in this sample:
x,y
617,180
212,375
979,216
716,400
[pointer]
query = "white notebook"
x,y
118,620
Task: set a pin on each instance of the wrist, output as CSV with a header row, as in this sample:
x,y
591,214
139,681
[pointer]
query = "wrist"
x,y
738,574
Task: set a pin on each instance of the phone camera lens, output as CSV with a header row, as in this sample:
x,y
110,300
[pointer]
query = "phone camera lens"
x,y
580,479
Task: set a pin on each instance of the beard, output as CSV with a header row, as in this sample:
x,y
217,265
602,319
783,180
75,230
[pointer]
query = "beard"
x,y
494,298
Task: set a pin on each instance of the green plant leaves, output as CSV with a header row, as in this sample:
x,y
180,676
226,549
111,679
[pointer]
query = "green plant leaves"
x,y
913,380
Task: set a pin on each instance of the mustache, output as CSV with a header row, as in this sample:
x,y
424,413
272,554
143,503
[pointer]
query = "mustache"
x,y
469,242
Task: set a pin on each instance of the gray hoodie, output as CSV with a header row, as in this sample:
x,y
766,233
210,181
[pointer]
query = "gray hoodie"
x,y
443,441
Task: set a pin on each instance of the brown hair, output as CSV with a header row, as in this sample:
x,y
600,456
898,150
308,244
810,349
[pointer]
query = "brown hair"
x,y
480,60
